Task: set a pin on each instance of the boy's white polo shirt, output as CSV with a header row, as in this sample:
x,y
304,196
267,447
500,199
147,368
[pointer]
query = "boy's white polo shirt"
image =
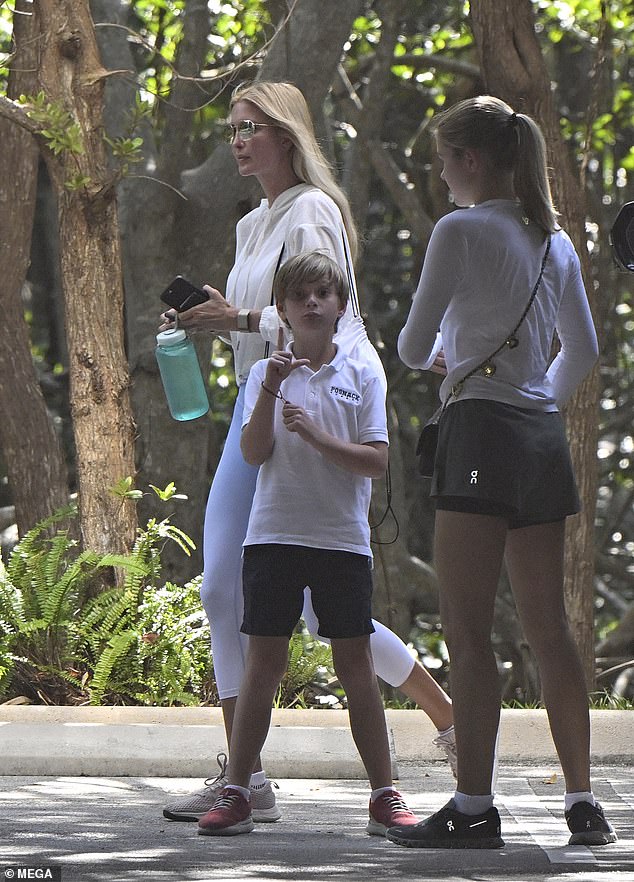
x,y
301,498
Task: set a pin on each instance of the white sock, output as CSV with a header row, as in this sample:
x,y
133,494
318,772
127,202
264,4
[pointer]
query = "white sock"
x,y
469,804
244,791
571,798
442,732
376,793
257,779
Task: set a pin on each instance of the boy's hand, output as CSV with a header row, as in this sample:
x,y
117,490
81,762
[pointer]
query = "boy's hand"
x,y
280,365
297,420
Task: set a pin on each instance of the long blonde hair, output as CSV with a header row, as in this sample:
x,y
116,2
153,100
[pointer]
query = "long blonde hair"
x,y
285,105
512,141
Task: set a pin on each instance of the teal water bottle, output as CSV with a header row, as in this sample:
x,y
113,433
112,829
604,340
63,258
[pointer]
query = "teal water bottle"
x,y
180,372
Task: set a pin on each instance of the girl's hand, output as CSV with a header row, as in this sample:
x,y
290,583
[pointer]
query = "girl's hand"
x,y
439,365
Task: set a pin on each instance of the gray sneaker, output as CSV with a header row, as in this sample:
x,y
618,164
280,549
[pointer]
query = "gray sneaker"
x,y
197,804
447,743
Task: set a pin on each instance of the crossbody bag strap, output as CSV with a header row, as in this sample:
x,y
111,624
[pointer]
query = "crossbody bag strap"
x,y
354,297
267,345
486,366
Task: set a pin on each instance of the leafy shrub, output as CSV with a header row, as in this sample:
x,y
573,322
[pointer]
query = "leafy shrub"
x,y
141,642
135,643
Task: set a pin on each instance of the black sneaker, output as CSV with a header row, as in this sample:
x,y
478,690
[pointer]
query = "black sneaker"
x,y
449,828
588,825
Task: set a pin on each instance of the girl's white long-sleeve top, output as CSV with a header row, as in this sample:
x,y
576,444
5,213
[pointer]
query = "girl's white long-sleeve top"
x,y
302,218
479,270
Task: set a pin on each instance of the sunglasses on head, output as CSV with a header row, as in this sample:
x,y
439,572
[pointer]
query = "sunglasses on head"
x,y
245,130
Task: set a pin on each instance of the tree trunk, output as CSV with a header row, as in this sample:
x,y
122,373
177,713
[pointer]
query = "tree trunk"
x,y
71,75
33,453
513,69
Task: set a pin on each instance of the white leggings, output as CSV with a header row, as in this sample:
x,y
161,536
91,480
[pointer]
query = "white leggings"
x,y
226,519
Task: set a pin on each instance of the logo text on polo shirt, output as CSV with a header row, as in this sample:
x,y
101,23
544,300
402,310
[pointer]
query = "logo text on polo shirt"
x,y
345,395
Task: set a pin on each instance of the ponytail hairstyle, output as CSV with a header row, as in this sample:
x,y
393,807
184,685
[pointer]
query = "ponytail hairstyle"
x,y
511,141
286,107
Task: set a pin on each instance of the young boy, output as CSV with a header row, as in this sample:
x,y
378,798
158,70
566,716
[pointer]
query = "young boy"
x,y
315,423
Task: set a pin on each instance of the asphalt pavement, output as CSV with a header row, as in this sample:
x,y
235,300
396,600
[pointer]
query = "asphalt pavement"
x,y
96,829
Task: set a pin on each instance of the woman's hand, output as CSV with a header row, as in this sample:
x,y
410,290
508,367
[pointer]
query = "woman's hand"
x,y
215,315
167,320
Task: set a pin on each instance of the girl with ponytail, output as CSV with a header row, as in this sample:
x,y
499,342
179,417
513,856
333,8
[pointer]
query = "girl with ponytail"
x,y
501,279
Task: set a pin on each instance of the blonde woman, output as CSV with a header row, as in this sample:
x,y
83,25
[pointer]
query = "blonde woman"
x,y
272,138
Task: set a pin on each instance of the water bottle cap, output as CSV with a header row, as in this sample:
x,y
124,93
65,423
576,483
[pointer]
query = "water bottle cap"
x,y
171,337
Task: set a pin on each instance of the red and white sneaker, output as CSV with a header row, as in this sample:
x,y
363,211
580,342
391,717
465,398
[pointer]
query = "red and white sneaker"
x,y
230,815
388,810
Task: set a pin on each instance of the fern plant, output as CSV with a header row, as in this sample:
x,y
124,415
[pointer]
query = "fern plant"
x,y
42,589
136,643
309,662
157,652
142,642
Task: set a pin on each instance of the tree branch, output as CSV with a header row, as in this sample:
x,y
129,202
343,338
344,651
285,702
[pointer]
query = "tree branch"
x,y
405,197
16,113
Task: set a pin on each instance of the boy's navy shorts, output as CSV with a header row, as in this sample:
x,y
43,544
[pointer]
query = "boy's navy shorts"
x,y
505,461
274,577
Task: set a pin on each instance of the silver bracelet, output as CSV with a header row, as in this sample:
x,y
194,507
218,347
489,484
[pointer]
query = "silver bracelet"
x,y
243,320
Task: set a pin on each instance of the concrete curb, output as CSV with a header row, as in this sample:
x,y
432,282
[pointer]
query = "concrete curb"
x,y
182,742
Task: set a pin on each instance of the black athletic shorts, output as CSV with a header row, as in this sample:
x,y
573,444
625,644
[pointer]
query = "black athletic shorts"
x,y
505,461
273,582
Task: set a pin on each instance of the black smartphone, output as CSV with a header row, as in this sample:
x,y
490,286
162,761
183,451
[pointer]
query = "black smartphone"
x,y
181,295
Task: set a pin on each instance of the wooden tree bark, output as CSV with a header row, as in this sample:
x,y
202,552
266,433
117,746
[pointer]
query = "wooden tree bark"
x,y
31,447
71,76
513,68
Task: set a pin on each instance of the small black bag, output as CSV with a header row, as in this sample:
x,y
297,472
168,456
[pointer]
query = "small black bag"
x,y
427,444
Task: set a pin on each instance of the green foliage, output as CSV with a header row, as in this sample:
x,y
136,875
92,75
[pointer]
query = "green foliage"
x,y
62,133
237,31
158,651
77,182
42,589
126,149
61,642
604,700
168,493
125,489
598,701
58,127
308,662
138,642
